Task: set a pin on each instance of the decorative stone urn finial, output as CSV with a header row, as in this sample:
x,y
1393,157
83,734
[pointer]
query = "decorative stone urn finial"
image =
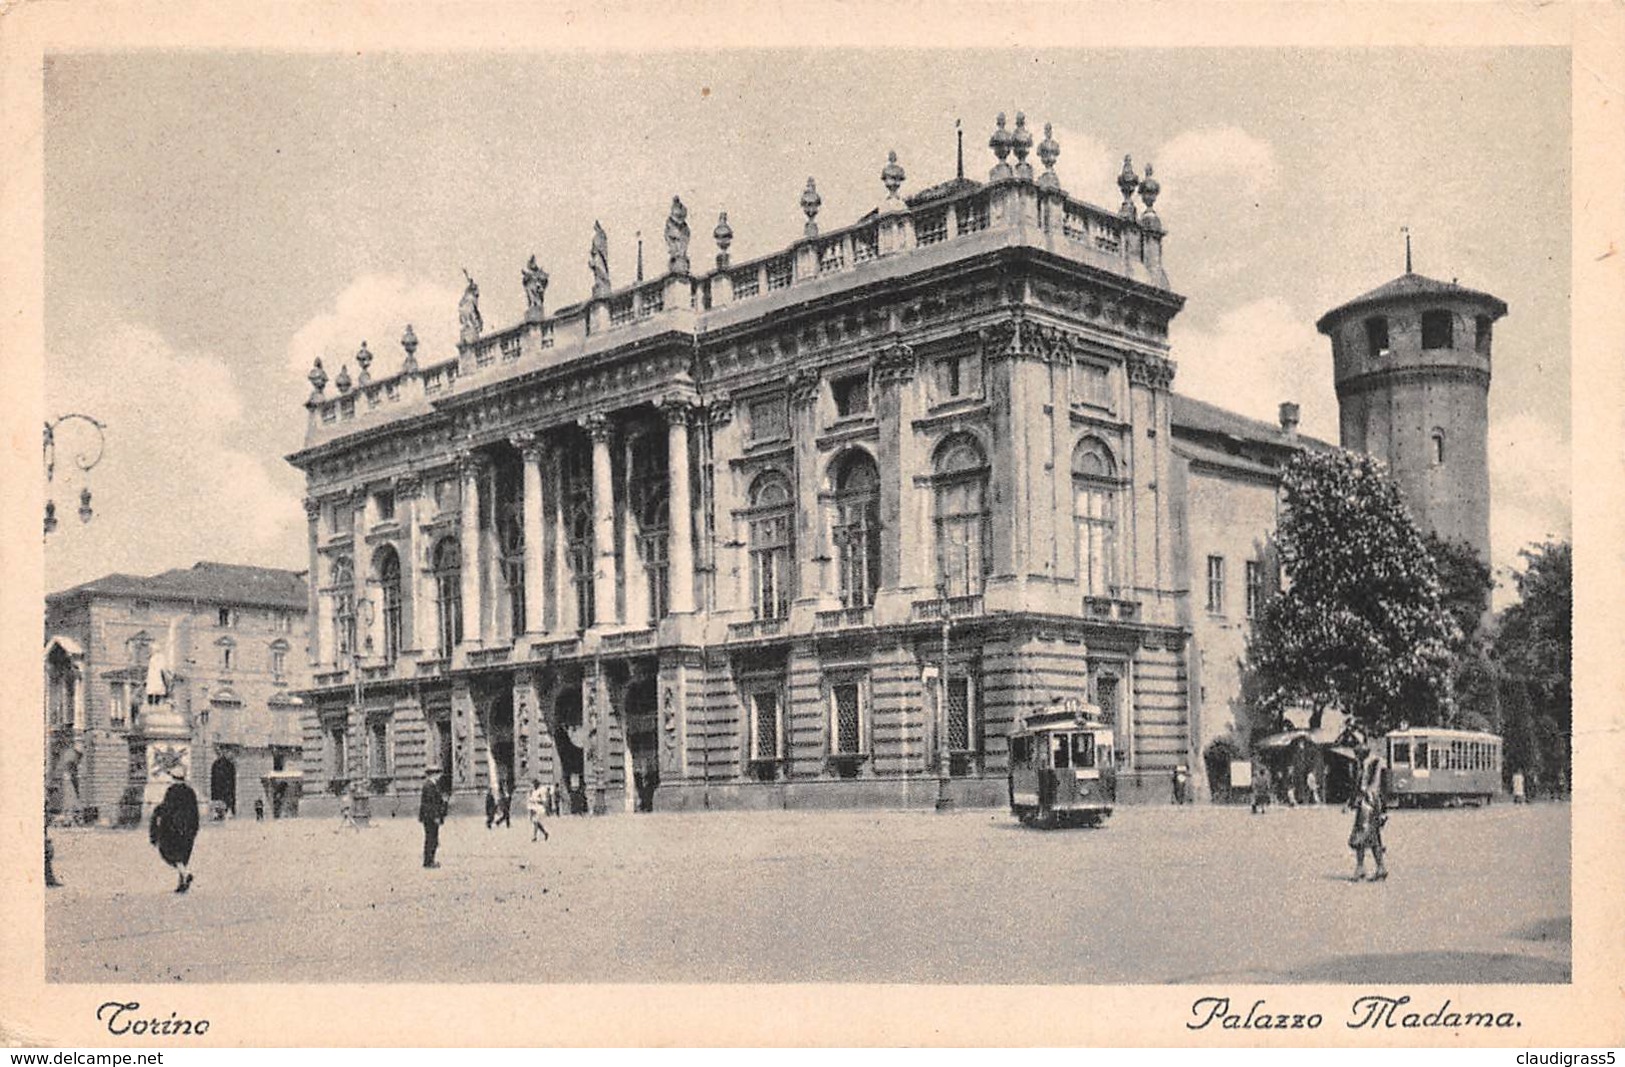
x,y
1049,150
409,341
318,382
724,235
892,175
810,203
1000,143
1021,142
1127,181
343,380
1150,189
363,359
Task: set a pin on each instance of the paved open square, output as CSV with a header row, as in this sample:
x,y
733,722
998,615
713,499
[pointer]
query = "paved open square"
x,y
1160,895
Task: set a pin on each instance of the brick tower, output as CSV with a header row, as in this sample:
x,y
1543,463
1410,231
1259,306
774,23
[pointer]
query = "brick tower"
x,y
1411,361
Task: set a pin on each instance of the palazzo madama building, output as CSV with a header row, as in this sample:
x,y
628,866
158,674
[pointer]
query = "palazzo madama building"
x,y
810,530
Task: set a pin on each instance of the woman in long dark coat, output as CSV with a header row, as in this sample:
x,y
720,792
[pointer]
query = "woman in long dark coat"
x,y
174,827
1369,817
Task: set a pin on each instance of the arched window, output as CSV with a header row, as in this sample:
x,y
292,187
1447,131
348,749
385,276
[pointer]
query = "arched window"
x,y
578,528
964,521
772,546
387,566
343,582
649,499
857,528
448,586
1094,516
1437,454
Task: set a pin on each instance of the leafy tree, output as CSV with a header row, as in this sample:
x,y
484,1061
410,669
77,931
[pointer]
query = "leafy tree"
x,y
1534,647
1465,582
1362,624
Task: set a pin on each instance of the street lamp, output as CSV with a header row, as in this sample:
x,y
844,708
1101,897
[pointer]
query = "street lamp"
x,y
945,802
83,460
362,620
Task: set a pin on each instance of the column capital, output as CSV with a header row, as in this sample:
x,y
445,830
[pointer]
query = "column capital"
x,y
313,508
804,383
470,463
598,426
678,409
528,444
895,362
719,410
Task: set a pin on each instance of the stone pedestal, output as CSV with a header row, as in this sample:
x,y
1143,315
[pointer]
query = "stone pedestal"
x,y
169,745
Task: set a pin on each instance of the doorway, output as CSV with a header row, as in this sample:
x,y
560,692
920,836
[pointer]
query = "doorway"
x,y
223,784
569,737
643,738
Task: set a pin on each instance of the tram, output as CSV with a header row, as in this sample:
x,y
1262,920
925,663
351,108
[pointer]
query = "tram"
x,y
1062,768
1433,765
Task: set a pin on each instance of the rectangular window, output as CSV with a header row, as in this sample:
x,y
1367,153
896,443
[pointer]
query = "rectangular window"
x,y
225,617
1376,336
780,272
385,503
1255,588
851,396
1402,753
959,375
1090,385
769,420
118,704
447,496
335,751
378,748
1481,335
227,655
846,719
279,663
338,518
1215,584
1437,329
931,226
764,725
963,719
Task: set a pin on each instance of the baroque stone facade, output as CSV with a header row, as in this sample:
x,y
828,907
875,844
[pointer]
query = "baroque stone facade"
x,y
814,529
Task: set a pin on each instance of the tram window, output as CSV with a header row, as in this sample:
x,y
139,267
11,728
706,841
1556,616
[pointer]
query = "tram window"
x,y
1422,755
1402,753
1018,749
1061,750
1083,750
1103,756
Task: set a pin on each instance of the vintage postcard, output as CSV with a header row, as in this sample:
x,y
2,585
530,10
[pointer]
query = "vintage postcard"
x,y
958,525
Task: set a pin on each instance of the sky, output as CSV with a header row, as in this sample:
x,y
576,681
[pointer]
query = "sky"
x,y
214,221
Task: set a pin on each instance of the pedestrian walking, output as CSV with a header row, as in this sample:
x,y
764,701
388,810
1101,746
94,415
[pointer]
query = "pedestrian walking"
x,y
505,808
490,808
431,813
1312,786
1369,817
1518,796
174,827
537,805
347,808
259,810
1261,788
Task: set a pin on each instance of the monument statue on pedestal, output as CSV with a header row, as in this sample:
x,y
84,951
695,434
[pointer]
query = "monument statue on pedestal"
x,y
598,261
468,312
677,238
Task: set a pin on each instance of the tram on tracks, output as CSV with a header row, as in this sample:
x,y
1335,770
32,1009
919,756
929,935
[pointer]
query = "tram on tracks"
x,y
1063,769
1440,767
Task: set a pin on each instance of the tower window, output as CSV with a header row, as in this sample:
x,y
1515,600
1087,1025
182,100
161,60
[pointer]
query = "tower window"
x,y
1437,330
1481,339
1376,336
1438,448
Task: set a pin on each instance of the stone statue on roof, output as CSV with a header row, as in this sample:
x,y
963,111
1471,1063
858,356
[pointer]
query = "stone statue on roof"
x,y
598,261
535,282
468,311
677,238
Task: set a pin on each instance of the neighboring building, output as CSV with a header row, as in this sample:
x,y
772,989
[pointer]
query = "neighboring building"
x,y
235,639
941,439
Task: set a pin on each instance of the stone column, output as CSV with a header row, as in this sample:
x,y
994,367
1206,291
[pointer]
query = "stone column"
x,y
361,571
599,428
313,518
563,591
470,466
726,548
535,577
680,555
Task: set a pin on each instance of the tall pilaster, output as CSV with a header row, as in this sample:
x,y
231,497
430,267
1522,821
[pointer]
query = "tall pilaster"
x,y
562,591
727,591
600,429
811,538
471,468
530,451
680,554
361,572
313,519
413,608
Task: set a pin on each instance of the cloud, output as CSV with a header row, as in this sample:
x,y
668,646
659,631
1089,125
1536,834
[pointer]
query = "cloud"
x,y
1221,153
1530,492
180,479
1087,167
376,308
1255,356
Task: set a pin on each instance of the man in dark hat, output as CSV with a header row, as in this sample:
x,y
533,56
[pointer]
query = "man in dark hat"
x,y
174,827
431,813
